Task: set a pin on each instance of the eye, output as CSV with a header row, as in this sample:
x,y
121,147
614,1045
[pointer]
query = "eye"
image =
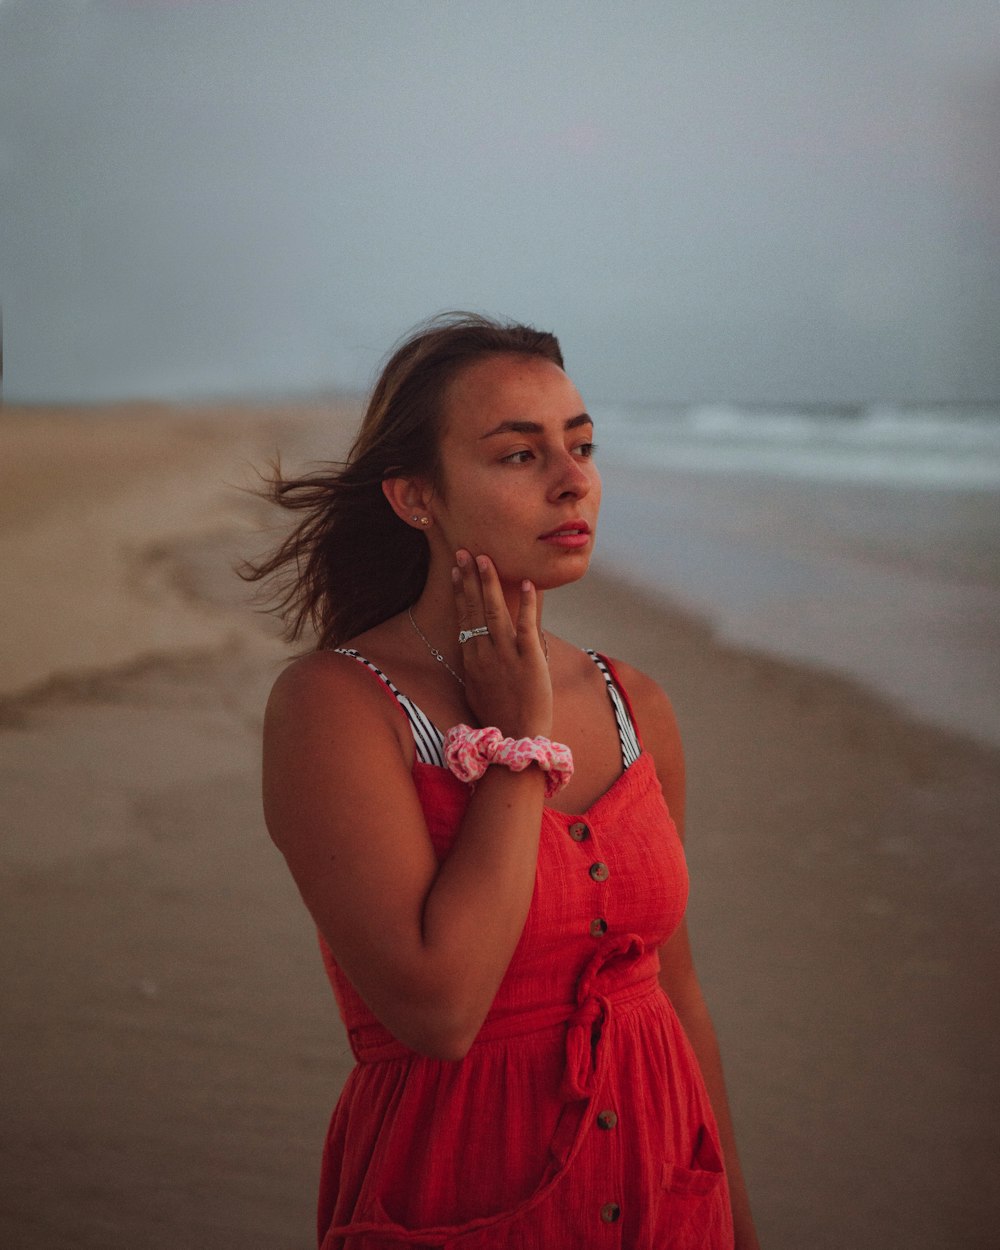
x,y
586,450
517,457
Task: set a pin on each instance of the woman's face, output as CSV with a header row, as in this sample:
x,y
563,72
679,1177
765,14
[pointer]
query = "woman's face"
x,y
519,483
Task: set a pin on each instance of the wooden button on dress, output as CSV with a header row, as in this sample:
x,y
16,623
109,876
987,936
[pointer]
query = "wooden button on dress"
x,y
598,927
599,871
607,1119
610,1212
578,831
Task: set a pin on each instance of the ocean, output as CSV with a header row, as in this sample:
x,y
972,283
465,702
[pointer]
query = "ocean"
x,y
864,540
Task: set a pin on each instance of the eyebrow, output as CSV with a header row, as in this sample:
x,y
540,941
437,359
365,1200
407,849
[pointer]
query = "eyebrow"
x,y
533,427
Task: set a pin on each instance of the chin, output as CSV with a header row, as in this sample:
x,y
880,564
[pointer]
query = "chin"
x,y
568,578
564,573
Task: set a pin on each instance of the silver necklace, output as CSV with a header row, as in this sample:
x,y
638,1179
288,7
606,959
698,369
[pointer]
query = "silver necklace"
x,y
433,650
440,658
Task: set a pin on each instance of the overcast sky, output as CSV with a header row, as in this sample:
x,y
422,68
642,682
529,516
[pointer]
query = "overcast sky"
x,y
754,200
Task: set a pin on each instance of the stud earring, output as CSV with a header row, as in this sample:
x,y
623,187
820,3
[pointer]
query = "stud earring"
x,y
424,520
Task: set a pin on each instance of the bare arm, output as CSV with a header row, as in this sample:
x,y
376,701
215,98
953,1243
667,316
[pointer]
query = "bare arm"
x,y
426,945
678,976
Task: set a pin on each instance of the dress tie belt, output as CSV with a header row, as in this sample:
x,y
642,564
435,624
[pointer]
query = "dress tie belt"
x,y
619,973
596,1000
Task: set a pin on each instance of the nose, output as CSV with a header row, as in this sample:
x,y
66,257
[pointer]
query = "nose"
x,y
572,478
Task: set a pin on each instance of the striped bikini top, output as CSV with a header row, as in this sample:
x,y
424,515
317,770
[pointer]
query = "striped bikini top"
x,y
429,740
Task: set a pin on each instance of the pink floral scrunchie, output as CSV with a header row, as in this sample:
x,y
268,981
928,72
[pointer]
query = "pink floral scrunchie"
x,y
469,752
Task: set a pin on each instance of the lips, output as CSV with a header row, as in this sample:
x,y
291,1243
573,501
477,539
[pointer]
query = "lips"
x,y
568,529
570,534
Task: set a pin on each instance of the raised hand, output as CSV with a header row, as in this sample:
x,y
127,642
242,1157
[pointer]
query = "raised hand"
x,y
507,681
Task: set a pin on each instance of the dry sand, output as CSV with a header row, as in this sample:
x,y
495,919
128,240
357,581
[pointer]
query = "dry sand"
x,y
170,1048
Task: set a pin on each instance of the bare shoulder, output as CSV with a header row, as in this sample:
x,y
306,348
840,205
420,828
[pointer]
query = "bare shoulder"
x,y
653,710
312,672
323,705
333,737
659,731
327,685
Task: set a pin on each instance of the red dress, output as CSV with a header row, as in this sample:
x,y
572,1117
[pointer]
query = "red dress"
x,y
579,1118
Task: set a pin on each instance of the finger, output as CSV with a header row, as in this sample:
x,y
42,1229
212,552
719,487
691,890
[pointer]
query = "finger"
x,y
473,590
527,615
495,614
472,610
459,583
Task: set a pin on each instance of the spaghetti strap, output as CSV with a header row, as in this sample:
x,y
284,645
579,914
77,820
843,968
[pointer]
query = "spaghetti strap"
x,y
427,738
628,733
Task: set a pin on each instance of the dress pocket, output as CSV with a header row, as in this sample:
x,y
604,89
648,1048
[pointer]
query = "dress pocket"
x,y
695,1212
704,1173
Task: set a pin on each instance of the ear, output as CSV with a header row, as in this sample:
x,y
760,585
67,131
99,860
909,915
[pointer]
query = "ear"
x,y
409,498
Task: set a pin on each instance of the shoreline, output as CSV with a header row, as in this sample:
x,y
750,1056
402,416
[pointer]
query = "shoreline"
x,y
897,589
171,1043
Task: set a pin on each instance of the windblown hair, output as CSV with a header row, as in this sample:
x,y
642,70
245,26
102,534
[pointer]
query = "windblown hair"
x,y
350,562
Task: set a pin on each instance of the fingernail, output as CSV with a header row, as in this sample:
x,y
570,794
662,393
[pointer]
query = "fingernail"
x,y
526,585
456,574
483,563
462,557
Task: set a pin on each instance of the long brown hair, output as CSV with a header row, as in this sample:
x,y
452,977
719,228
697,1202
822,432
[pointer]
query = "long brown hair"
x,y
350,562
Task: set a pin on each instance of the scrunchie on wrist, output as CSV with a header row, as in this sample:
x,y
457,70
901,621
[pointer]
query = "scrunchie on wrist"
x,y
469,752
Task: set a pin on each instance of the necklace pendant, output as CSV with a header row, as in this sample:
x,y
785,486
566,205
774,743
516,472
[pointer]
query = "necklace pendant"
x,y
432,649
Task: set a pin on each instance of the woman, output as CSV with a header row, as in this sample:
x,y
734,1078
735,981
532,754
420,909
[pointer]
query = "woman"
x,y
502,925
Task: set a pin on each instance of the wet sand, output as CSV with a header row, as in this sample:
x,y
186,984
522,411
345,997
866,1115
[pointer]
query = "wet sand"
x,y
171,1051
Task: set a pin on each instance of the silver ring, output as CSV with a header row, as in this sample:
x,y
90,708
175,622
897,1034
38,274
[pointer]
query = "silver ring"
x,y
465,634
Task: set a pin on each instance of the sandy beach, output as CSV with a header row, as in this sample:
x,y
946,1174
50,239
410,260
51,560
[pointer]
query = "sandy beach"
x,y
171,1050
